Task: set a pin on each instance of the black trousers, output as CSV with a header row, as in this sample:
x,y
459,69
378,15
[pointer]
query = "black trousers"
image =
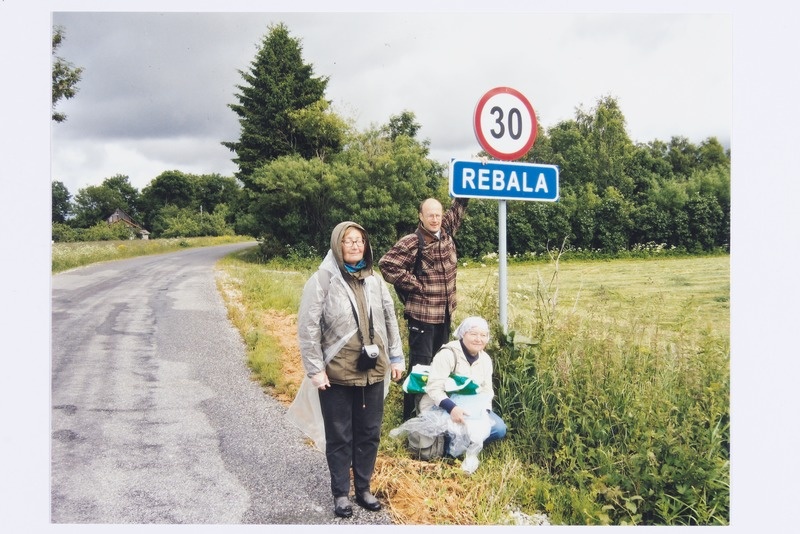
x,y
352,416
424,341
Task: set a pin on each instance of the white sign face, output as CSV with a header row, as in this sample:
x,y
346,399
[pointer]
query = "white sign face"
x,y
505,123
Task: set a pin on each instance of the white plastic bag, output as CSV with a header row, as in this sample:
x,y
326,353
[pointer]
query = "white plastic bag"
x,y
477,427
429,423
464,438
306,414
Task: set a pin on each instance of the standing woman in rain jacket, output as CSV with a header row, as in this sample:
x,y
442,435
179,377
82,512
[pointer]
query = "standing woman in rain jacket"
x,y
351,347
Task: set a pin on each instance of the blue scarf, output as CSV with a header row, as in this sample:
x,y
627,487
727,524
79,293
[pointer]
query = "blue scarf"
x,y
355,268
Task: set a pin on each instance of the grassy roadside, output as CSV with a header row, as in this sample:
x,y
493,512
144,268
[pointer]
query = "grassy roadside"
x,y
619,337
614,381
67,256
262,301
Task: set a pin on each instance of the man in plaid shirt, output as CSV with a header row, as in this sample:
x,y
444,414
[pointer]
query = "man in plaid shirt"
x,y
431,294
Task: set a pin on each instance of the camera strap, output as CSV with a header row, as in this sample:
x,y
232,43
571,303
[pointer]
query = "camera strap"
x,y
358,325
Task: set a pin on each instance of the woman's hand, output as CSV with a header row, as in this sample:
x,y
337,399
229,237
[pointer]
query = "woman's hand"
x,y
320,380
397,371
457,414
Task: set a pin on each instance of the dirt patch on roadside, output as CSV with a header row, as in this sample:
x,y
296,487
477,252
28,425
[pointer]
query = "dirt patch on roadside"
x,y
280,326
283,327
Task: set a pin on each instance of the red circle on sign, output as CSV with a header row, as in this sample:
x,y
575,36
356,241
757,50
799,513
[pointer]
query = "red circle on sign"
x,y
496,151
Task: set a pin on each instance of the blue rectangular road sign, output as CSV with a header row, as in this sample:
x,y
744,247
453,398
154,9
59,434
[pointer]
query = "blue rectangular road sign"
x,y
503,180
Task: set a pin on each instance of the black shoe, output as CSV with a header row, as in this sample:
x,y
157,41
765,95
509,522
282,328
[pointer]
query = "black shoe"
x,y
342,507
367,500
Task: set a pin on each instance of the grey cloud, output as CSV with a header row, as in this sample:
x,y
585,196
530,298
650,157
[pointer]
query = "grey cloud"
x,y
154,77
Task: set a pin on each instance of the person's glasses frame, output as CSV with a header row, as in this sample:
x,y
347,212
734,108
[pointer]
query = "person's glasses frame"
x,y
484,336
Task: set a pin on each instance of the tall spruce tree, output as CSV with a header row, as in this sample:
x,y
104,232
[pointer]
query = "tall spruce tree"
x,y
277,84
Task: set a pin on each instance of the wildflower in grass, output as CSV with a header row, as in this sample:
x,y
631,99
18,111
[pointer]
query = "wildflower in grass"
x,y
490,257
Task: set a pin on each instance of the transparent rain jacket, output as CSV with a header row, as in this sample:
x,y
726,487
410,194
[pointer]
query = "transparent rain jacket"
x,y
325,323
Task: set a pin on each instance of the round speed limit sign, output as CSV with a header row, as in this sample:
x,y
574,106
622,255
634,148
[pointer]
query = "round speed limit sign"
x,y
505,123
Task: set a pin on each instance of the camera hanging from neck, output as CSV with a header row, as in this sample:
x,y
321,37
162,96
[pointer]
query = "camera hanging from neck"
x,y
368,357
358,325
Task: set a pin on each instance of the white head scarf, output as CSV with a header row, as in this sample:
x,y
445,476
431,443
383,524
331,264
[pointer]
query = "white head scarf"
x,y
469,323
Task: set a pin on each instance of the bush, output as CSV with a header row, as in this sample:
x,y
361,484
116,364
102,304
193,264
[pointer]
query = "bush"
x,y
106,232
63,233
181,225
271,247
184,222
638,431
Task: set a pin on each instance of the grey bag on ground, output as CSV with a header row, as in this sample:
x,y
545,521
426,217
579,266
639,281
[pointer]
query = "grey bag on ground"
x,y
424,447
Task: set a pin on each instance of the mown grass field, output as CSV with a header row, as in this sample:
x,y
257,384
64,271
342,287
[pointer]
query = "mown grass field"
x,y
614,383
671,297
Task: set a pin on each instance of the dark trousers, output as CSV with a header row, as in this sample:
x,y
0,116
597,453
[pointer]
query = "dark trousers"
x,y
352,416
424,341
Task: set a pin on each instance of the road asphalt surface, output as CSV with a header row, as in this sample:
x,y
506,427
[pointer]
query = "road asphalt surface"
x,y
155,419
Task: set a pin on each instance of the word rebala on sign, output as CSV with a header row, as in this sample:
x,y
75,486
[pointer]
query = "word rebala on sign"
x,y
503,180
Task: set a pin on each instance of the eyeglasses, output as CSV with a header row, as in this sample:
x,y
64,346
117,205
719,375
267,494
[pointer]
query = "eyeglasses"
x,y
350,242
482,335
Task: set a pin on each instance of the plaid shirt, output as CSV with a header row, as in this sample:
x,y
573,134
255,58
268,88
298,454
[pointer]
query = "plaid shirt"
x,y
433,294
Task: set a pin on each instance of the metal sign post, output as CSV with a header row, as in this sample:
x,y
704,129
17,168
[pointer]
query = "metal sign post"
x,y
503,267
505,125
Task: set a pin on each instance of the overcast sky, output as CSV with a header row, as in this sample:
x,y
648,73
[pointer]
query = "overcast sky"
x,y
156,87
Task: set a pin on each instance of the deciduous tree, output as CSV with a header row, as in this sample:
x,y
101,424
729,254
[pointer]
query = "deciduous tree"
x,y
65,76
130,195
173,188
96,203
608,144
61,202
323,129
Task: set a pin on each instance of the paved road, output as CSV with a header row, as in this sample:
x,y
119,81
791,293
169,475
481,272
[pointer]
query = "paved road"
x,y
154,416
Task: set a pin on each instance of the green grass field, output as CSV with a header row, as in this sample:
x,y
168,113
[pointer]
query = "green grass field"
x,y
615,387
675,296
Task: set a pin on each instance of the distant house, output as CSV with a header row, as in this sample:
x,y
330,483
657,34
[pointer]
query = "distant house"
x,y
120,216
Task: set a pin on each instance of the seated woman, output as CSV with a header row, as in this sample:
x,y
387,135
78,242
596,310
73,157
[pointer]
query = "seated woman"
x,y
465,356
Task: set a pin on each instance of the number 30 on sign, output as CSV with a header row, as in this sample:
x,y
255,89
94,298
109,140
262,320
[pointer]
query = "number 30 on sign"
x,y
505,123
